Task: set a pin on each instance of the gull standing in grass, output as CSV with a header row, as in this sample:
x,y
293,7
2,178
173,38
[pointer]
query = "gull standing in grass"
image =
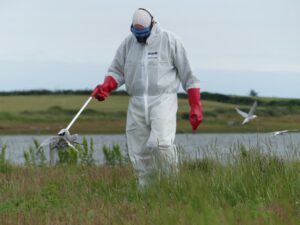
x,y
248,116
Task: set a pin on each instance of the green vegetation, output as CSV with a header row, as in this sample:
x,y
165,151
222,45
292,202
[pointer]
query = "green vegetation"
x,y
246,186
113,156
82,154
5,166
48,113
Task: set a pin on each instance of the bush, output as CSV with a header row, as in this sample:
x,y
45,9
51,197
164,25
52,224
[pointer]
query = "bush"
x,y
5,166
86,152
67,156
113,156
35,155
82,154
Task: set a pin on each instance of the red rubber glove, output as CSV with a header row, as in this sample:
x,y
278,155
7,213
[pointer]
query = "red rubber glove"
x,y
102,91
196,107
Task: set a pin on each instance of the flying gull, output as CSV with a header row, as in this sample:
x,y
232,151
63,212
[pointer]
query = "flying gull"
x,y
248,116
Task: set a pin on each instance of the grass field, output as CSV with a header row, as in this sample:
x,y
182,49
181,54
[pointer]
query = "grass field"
x,y
247,187
49,113
244,187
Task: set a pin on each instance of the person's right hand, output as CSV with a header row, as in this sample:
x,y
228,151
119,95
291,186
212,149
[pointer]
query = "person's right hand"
x,y
102,91
99,93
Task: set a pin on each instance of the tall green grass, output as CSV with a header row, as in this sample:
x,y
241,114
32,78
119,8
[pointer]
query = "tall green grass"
x,y
245,186
5,166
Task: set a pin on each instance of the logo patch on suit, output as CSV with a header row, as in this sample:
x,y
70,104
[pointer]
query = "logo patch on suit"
x,y
152,55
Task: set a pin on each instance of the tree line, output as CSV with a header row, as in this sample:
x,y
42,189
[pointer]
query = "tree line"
x,y
232,99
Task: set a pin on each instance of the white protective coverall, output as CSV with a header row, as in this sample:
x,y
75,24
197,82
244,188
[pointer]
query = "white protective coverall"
x,y
152,73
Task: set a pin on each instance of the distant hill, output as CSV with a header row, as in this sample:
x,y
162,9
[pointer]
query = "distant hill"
x,y
232,99
46,112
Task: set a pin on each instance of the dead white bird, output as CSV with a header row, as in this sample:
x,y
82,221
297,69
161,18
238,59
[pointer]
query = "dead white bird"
x,y
248,116
65,139
66,134
280,132
60,142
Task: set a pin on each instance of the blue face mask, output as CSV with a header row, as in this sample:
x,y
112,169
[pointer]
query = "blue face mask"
x,y
141,34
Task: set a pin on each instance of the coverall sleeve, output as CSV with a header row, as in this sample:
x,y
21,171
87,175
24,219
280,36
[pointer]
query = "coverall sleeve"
x,y
182,64
116,69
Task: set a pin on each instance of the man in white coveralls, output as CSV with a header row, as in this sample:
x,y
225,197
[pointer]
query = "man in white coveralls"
x,y
152,63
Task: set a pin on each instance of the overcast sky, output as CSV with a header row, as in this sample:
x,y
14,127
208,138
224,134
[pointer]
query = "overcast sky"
x,y
233,45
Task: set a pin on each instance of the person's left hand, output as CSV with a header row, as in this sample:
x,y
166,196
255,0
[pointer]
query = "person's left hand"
x,y
196,115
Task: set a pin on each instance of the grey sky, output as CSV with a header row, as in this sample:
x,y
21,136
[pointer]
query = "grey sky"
x,y
69,44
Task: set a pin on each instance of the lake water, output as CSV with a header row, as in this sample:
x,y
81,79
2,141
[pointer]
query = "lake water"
x,y
191,145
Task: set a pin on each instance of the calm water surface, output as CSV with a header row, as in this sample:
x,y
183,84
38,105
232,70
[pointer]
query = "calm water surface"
x,y
190,145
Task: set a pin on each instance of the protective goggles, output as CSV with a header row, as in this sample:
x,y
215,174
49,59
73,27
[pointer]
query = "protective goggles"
x,y
141,32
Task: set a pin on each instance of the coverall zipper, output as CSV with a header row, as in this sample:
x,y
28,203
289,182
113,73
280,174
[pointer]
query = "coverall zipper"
x,y
146,85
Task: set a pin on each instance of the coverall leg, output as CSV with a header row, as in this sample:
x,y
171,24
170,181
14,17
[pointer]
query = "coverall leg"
x,y
151,140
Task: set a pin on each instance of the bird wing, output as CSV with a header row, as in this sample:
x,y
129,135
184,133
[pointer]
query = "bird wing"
x,y
243,114
72,146
246,120
280,132
253,108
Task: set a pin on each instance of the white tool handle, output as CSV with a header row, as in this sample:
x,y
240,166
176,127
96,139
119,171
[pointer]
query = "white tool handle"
x,y
78,114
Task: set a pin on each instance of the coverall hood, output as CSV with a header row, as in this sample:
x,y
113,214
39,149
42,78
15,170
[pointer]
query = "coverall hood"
x,y
142,22
142,17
